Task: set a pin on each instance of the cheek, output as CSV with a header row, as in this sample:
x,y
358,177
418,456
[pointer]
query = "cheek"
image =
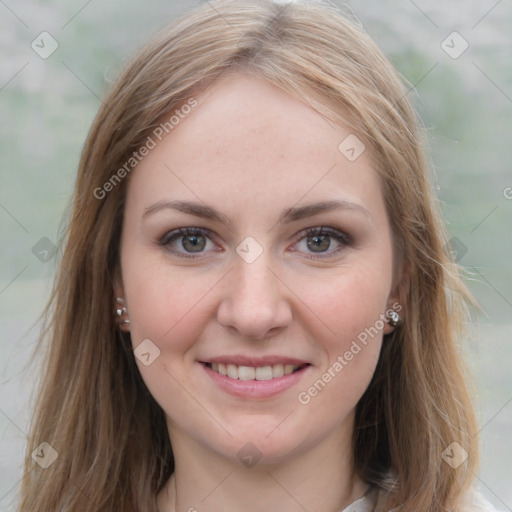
x,y
347,303
164,302
350,311
169,308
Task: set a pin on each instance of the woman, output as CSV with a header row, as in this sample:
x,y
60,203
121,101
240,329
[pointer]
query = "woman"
x,y
255,308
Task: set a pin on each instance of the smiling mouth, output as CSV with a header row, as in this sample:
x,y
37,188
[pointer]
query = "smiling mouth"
x,y
236,372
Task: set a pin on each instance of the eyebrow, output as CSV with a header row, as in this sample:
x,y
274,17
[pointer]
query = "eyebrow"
x,y
288,215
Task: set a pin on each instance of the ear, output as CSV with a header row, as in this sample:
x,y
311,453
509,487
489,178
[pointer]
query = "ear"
x,y
117,283
397,297
120,302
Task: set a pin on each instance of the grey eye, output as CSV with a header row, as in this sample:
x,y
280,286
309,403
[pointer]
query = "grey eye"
x,y
319,243
193,243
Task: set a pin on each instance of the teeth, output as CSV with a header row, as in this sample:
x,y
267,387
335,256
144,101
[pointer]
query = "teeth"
x,y
253,373
288,368
246,373
232,371
277,370
263,373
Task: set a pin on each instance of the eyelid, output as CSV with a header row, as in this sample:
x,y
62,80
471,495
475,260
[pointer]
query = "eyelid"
x,y
169,235
326,230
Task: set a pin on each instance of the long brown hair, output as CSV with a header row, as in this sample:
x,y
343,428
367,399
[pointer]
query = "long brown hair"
x,y
93,408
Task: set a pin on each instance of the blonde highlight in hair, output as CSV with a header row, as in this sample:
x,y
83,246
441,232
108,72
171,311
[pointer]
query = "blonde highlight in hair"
x,y
93,407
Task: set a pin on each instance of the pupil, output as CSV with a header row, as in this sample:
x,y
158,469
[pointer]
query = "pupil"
x,y
319,243
193,243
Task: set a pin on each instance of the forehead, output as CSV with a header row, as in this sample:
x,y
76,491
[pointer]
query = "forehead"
x,y
246,139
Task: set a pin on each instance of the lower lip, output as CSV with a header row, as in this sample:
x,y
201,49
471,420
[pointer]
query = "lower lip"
x,y
255,388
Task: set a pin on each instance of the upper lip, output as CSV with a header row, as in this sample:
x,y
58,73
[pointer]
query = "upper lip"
x,y
241,360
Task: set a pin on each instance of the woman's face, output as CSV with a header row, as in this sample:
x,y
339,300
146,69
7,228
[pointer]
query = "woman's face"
x,y
256,243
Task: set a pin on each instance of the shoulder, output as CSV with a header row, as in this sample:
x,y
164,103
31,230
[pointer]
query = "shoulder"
x,y
474,501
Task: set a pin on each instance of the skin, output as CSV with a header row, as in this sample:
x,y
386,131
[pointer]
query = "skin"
x,y
251,151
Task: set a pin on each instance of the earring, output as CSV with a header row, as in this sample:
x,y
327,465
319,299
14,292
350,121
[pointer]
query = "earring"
x,y
393,318
121,311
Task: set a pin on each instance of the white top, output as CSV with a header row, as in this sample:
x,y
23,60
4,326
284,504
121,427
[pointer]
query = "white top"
x,y
474,502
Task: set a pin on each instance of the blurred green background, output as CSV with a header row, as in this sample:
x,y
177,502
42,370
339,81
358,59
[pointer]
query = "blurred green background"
x,y
47,106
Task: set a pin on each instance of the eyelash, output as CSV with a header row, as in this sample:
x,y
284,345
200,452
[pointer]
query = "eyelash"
x,y
342,238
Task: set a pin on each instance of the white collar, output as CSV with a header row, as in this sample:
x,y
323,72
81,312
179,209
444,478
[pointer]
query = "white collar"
x,y
364,504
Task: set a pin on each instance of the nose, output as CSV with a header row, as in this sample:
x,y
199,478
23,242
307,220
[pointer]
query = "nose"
x,y
254,302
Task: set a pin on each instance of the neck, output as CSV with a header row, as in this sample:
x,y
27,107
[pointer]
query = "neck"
x,y
321,478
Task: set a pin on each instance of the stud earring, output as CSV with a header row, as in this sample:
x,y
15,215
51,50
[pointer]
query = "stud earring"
x,y
393,318
121,311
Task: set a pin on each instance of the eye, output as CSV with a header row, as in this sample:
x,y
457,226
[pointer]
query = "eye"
x,y
322,242
185,242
